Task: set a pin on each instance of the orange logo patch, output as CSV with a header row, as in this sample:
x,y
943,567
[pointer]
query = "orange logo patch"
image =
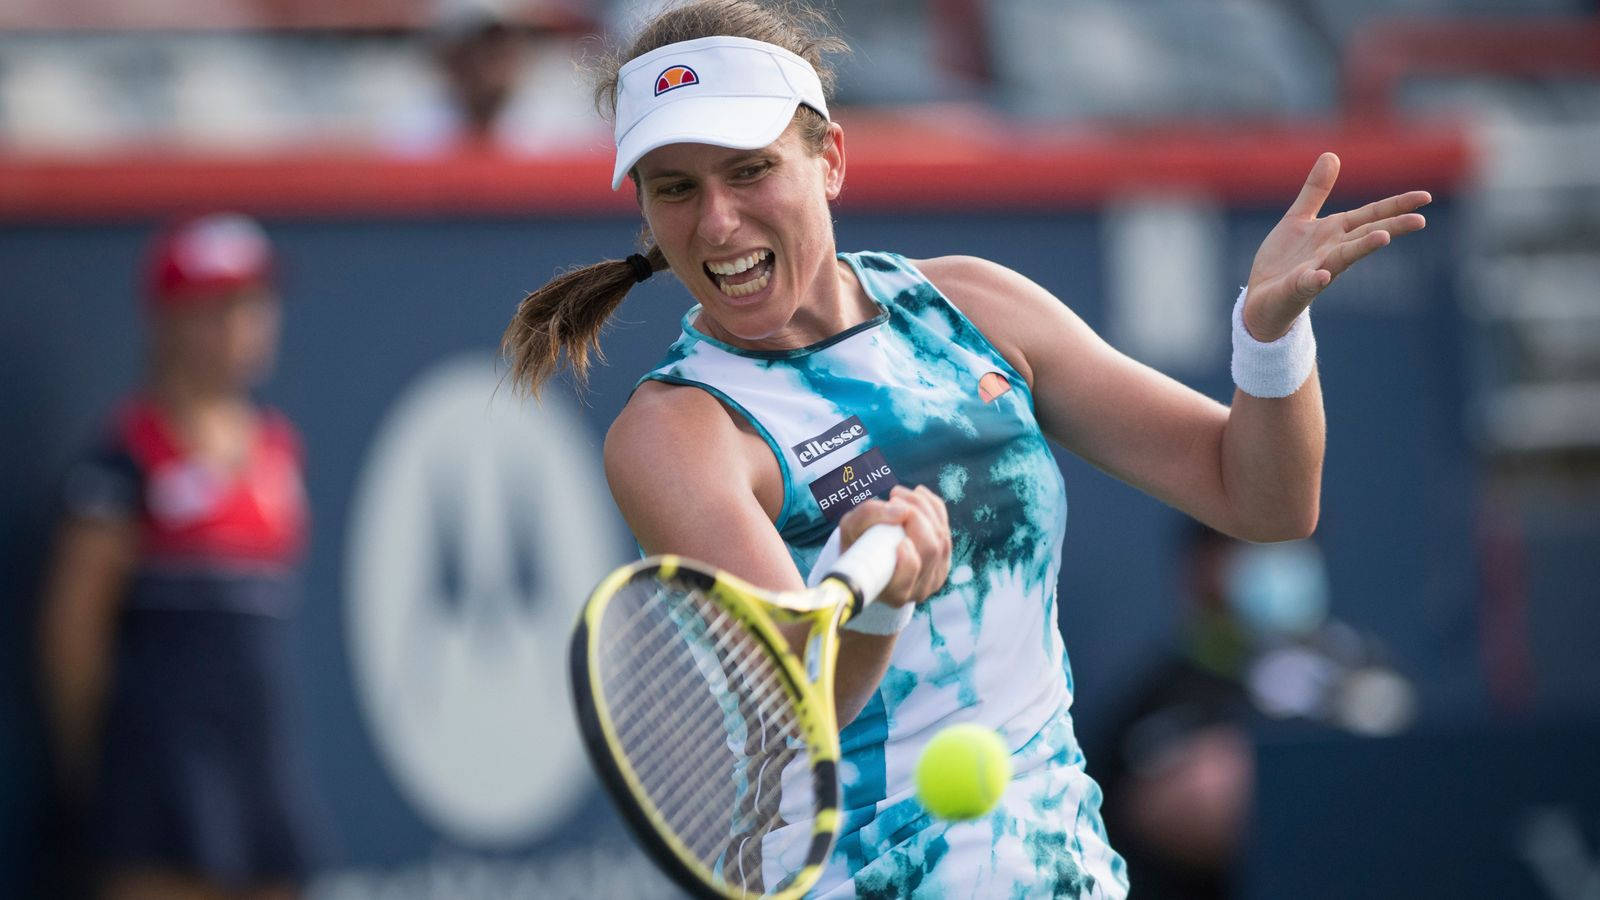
x,y
674,77
991,386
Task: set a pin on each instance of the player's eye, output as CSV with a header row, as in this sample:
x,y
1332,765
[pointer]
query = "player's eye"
x,y
752,171
672,189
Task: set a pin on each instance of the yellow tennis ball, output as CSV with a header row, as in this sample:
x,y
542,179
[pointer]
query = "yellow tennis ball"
x,y
962,772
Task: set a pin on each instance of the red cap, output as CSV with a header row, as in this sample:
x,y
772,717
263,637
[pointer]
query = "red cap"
x,y
201,257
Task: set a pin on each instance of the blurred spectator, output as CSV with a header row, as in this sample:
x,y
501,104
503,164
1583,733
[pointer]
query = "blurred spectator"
x,y
911,52
165,622
479,55
505,82
1158,58
902,52
1258,644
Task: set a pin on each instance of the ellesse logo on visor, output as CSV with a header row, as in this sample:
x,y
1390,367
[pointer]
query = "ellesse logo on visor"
x,y
675,77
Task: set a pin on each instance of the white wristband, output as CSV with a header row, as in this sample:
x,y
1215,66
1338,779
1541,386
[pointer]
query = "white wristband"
x,y
1274,368
881,619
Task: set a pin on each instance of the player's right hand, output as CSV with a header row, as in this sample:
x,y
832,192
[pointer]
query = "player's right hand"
x,y
922,561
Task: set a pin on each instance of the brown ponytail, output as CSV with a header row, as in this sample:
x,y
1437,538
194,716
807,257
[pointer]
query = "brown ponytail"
x,y
567,316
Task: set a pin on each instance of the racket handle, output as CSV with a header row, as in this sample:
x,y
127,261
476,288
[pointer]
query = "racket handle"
x,y
869,563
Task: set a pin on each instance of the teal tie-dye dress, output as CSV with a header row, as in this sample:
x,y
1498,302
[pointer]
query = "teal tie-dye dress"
x,y
896,400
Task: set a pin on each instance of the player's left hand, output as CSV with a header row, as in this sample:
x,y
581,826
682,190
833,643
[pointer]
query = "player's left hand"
x,y
1303,254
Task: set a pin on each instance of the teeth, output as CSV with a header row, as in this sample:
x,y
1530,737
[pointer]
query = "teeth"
x,y
734,267
725,270
746,289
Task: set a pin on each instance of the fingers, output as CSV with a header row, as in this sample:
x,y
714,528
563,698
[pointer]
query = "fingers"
x,y
1347,253
1395,225
864,516
1303,254
1375,234
1311,281
922,562
1387,208
1317,187
928,530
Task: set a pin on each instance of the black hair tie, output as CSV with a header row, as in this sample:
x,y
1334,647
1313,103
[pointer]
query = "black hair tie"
x,y
641,267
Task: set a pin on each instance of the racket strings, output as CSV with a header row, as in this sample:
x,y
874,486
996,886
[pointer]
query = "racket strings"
x,y
704,719
764,749
707,731
727,630
746,667
668,689
749,665
689,733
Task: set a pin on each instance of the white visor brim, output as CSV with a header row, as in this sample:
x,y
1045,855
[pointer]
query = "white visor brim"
x,y
743,95
739,123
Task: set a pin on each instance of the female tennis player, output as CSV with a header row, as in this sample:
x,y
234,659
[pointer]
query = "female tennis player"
x,y
165,623
813,393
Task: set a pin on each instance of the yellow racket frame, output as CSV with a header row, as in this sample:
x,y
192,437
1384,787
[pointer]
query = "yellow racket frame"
x,y
809,681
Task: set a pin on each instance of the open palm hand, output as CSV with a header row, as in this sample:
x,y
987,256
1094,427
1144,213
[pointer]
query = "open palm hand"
x,y
1303,254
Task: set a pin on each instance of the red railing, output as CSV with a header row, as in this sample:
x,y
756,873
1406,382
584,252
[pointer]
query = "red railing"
x,y
966,163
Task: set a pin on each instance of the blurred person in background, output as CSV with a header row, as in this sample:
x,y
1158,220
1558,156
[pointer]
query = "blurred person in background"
x,y
1258,644
503,82
165,622
480,57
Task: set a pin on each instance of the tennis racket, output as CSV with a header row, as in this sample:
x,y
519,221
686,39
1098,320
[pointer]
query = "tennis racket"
x,y
718,742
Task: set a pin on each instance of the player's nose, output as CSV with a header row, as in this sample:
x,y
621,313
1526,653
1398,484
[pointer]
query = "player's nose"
x,y
719,215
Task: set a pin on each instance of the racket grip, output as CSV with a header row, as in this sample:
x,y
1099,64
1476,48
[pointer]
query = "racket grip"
x,y
869,563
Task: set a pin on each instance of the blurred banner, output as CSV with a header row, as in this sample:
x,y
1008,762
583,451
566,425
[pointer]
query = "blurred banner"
x,y
458,527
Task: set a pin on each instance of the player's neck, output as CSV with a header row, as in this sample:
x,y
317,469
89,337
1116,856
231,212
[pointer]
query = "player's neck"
x,y
838,303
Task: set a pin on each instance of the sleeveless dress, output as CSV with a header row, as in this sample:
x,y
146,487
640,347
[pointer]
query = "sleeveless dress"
x,y
917,396
201,767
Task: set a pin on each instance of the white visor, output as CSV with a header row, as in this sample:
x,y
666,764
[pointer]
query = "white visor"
x,y
724,91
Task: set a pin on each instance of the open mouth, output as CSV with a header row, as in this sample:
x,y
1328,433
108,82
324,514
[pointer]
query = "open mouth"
x,y
743,276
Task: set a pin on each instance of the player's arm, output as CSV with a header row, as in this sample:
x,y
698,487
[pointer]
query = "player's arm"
x,y
1250,472
690,480
84,581
1252,469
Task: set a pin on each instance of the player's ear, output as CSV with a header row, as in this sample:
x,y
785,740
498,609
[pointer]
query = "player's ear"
x,y
833,160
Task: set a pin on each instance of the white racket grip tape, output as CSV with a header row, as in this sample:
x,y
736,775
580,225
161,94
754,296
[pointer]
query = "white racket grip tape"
x,y
869,563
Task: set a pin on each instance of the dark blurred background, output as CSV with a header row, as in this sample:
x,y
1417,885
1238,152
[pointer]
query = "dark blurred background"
x,y
421,165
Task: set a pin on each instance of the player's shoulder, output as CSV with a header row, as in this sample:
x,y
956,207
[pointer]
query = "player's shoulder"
x,y
666,427
960,267
975,280
1007,307
675,447
658,409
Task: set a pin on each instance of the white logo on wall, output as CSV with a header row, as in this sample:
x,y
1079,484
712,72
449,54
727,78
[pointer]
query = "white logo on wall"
x,y
478,526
